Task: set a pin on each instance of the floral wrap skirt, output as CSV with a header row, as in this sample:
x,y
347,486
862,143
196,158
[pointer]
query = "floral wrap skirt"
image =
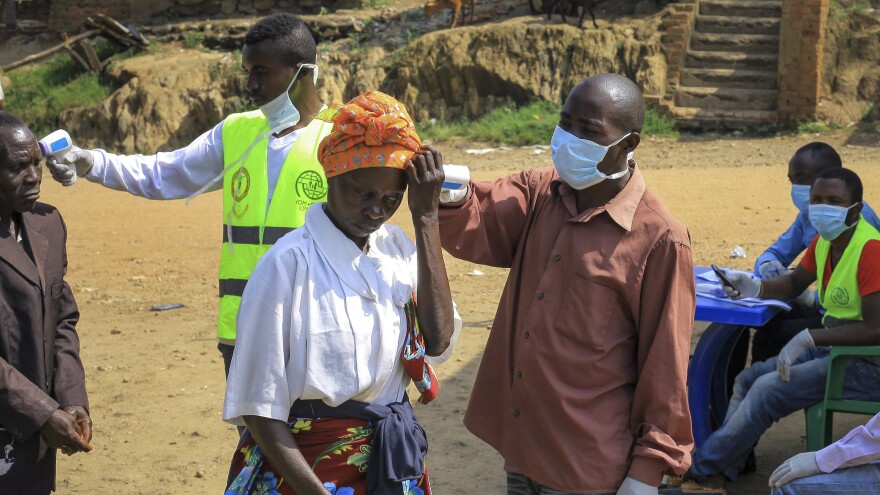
x,y
337,449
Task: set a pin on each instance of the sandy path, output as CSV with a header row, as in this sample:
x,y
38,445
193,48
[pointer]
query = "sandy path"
x,y
156,380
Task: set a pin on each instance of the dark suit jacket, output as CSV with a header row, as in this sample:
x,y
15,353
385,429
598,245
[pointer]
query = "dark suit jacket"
x,y
40,369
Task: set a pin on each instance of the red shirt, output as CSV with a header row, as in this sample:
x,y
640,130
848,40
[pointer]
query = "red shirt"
x,y
868,272
582,381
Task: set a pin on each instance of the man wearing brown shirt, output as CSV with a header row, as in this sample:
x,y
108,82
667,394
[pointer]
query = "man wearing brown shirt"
x,y
582,383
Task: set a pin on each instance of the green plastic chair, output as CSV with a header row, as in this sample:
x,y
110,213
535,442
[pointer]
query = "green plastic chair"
x,y
819,416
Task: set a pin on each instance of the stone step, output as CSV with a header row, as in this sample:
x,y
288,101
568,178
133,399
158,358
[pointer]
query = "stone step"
x,y
742,8
697,59
707,119
751,43
725,98
730,78
736,25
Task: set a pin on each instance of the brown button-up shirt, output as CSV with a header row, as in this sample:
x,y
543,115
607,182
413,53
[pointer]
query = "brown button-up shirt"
x,y
582,382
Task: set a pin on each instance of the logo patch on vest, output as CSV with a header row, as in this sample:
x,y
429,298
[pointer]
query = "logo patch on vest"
x,y
241,184
311,185
840,296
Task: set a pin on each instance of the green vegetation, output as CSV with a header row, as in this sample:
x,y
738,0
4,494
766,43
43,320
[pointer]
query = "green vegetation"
x,y
193,39
531,124
523,126
840,9
40,92
812,128
378,3
659,124
762,130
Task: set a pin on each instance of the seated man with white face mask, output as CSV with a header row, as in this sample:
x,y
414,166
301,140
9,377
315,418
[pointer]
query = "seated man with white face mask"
x,y
845,260
582,384
807,163
264,160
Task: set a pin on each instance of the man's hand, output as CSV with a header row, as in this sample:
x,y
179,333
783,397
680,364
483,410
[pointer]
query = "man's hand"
x,y
77,162
425,179
808,299
61,431
82,419
631,486
453,195
743,285
792,351
771,269
799,466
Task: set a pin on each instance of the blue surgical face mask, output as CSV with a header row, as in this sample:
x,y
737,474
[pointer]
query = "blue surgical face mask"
x,y
800,196
281,112
830,220
577,160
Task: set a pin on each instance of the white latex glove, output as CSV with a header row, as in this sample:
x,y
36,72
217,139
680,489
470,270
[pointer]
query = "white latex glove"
x,y
77,162
792,351
799,466
631,486
808,298
743,285
771,269
453,195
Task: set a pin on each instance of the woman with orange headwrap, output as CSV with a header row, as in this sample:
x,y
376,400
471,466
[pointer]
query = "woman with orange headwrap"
x,y
329,332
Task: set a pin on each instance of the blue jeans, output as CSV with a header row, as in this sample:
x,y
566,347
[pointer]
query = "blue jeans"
x,y
859,480
518,484
761,398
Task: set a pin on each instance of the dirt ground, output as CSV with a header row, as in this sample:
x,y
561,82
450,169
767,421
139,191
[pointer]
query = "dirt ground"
x,y
155,379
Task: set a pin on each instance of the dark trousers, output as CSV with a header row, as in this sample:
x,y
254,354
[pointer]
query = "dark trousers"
x,y
226,351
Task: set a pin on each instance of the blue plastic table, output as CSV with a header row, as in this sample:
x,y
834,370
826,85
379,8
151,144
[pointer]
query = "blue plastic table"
x,y
707,373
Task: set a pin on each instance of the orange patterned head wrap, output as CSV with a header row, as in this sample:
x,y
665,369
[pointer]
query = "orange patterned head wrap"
x,y
372,130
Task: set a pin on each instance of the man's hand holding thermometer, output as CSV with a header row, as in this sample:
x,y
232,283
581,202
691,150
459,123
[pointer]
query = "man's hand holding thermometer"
x,y
455,185
64,160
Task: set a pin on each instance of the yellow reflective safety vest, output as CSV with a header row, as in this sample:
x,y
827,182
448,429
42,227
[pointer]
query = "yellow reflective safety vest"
x,y
253,226
841,298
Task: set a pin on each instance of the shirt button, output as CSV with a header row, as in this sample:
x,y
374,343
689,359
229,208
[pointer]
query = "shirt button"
x,y
516,413
519,374
557,258
540,295
526,335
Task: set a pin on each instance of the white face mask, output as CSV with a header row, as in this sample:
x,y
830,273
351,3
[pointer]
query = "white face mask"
x,y
830,220
577,160
800,196
280,111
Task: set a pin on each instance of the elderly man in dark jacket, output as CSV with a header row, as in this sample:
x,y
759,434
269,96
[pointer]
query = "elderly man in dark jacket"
x,y
43,404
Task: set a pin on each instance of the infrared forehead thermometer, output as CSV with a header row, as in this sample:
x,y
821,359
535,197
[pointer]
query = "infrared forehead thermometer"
x,y
56,144
457,177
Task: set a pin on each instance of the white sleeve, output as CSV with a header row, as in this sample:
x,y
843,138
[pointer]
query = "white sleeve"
x,y
259,382
165,175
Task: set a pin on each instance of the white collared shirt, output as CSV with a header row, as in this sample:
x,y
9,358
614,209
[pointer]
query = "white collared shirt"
x,y
320,319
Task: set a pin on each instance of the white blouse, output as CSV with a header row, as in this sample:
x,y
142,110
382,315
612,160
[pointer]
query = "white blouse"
x,y
320,319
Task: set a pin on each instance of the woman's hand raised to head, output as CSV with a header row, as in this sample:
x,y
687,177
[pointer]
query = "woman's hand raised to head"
x,y
425,179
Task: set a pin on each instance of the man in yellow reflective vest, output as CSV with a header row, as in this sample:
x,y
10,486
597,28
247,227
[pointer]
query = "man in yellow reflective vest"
x,y
267,160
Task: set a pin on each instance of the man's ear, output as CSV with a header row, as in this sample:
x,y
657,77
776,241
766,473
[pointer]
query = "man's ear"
x,y
858,209
632,142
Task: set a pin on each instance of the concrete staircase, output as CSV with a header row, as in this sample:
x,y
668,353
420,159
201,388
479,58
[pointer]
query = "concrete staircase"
x,y
730,74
